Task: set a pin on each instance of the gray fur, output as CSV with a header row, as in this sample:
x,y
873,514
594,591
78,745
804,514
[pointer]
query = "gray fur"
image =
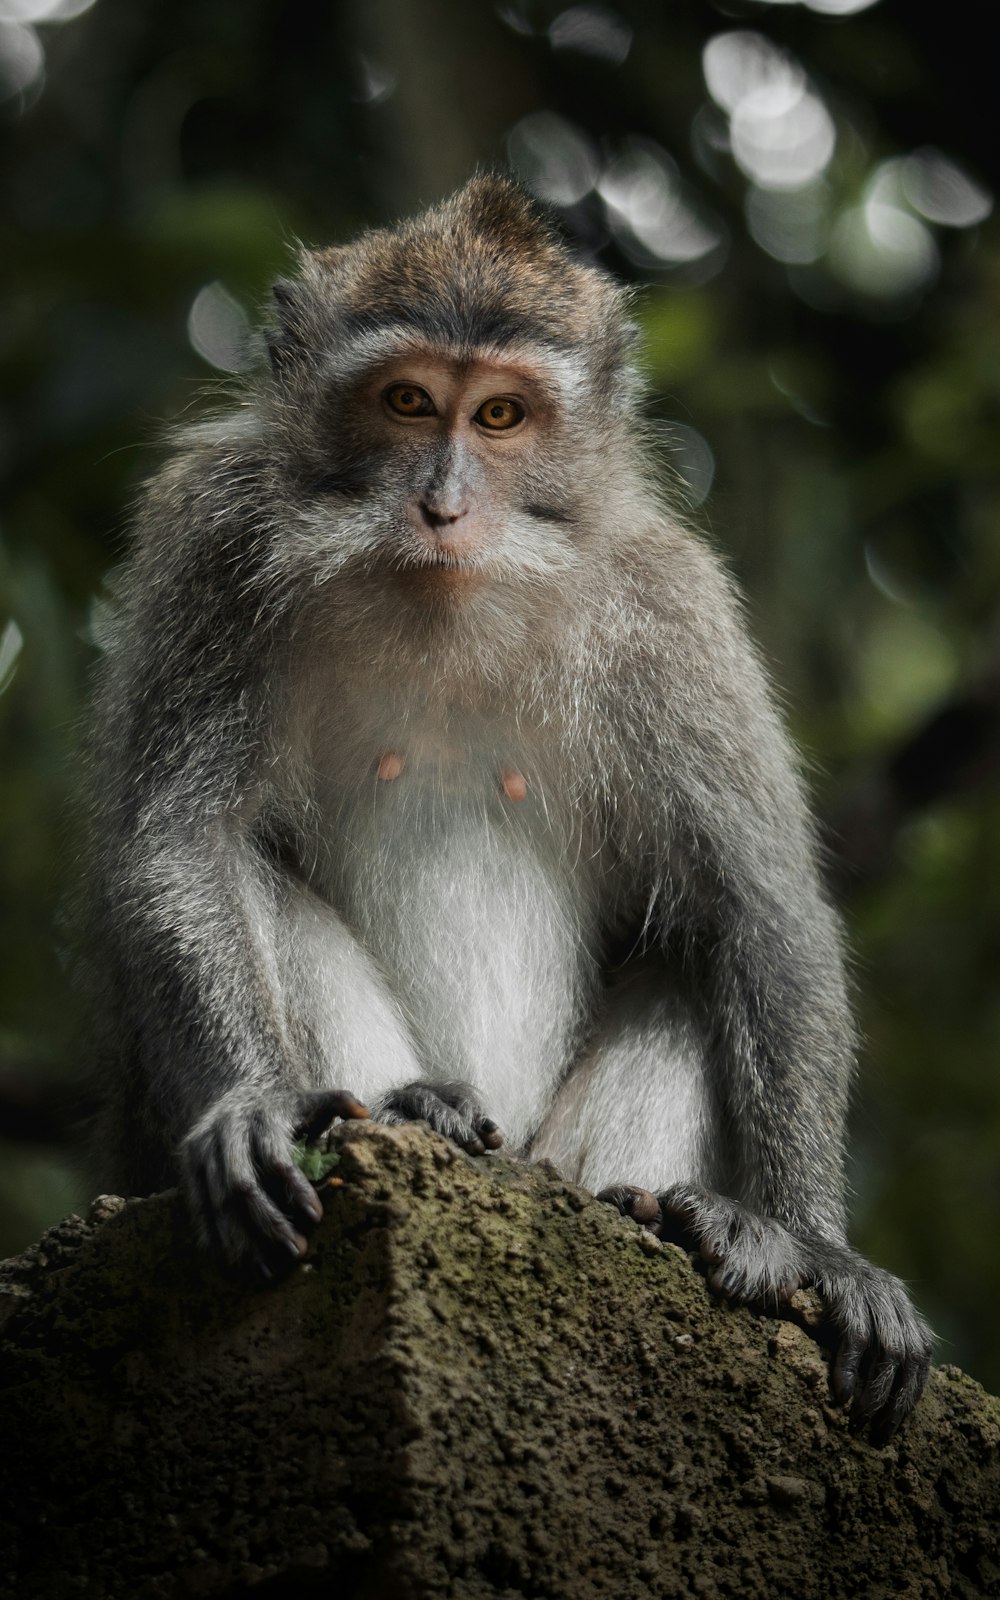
x,y
632,969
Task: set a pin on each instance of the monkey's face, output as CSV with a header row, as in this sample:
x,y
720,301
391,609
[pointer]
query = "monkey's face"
x,y
441,467
460,467
463,434
449,400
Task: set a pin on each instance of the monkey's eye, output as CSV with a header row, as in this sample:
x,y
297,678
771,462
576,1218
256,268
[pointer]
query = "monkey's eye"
x,y
409,400
499,413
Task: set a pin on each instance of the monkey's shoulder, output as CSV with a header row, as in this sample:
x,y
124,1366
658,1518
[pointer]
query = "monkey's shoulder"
x,y
666,620
214,482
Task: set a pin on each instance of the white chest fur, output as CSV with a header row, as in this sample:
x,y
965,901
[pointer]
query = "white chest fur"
x,y
446,839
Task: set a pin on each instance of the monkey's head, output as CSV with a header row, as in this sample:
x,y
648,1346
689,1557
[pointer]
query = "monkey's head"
x,y
445,397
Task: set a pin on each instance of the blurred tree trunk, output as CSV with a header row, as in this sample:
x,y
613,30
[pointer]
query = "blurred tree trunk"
x,y
458,82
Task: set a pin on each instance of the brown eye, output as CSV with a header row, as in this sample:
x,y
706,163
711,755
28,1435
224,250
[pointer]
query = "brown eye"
x,y
499,413
409,400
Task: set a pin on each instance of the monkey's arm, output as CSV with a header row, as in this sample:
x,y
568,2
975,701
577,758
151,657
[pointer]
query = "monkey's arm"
x,y
726,848
210,1080
781,1046
216,1087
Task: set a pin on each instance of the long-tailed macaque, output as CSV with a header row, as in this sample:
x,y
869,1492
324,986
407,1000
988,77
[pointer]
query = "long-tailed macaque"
x,y
432,759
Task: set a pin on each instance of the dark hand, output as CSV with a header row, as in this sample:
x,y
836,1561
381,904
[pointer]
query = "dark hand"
x,y
884,1350
450,1108
249,1200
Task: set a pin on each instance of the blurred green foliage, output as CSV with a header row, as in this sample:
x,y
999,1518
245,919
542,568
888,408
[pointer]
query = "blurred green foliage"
x,y
847,428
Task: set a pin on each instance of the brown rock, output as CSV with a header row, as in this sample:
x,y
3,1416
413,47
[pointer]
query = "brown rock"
x,y
479,1385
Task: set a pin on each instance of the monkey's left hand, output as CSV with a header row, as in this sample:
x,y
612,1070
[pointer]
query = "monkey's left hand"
x,y
884,1348
450,1108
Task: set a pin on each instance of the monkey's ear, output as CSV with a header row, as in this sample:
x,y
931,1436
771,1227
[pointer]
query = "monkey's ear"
x,y
286,343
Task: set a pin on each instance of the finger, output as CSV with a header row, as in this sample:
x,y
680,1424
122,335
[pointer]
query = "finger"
x,y
874,1393
844,1378
250,1221
217,1163
299,1194
267,1228
455,1125
202,1210
679,1221
242,1244
724,1280
632,1201
644,1208
221,1168
277,1181
225,1169
478,1132
490,1134
319,1107
909,1387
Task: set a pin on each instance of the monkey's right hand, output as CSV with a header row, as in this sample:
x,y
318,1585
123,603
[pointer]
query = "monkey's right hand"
x,y
248,1198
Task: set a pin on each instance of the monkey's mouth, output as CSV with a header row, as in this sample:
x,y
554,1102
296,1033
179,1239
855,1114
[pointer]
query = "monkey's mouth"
x,y
443,561
446,558
436,572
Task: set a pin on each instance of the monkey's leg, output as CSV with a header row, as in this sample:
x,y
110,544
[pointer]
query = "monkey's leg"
x,y
639,1105
780,1034
638,1102
750,1257
884,1352
360,1035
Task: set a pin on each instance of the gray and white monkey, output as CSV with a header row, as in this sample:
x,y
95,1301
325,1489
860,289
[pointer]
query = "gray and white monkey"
x,y
431,757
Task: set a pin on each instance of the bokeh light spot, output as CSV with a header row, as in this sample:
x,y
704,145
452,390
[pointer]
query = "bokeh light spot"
x,y
838,8
878,249
790,224
22,59
515,16
743,63
592,31
782,134
782,144
553,157
11,640
939,189
373,82
43,10
648,209
218,328
694,461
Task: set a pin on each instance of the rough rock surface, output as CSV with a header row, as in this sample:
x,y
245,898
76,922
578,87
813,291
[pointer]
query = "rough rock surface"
x,y
482,1384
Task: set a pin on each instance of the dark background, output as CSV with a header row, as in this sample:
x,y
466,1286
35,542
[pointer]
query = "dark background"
x,y
808,203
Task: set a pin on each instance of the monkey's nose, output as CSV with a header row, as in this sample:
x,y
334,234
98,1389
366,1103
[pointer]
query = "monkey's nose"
x,y
443,513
